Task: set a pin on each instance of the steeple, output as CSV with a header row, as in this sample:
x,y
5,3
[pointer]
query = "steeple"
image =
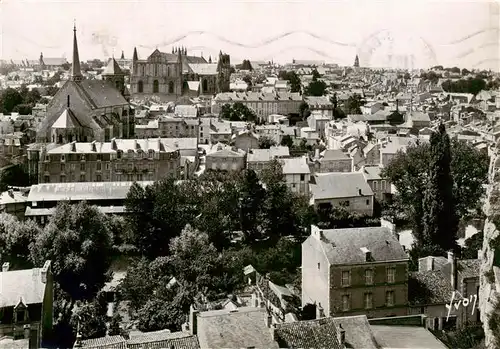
x,y
134,57
210,59
356,61
173,50
123,55
76,74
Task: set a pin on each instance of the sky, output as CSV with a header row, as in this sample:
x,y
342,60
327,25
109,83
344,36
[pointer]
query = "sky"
x,y
404,34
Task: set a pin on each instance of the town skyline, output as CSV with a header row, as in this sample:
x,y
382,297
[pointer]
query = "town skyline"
x,y
406,33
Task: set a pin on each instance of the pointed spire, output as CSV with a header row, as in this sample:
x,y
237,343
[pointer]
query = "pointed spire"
x,y
123,55
76,74
173,50
210,59
134,57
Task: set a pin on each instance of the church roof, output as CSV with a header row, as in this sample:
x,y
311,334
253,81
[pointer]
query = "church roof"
x,y
204,68
112,68
101,94
66,120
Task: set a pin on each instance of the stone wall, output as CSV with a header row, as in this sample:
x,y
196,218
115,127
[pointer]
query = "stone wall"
x,y
488,290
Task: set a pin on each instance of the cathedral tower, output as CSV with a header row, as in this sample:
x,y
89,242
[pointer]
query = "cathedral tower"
x,y
356,62
223,72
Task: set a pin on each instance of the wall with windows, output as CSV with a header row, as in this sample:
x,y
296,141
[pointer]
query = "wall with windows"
x,y
374,289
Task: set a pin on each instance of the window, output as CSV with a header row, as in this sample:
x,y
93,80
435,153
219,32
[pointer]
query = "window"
x,y
98,178
99,157
171,87
63,158
62,179
368,202
151,153
119,154
389,298
346,302
140,87
82,178
383,186
82,158
156,86
346,278
319,265
375,185
205,85
368,300
368,276
63,167
82,167
107,166
98,166
391,275
129,166
302,177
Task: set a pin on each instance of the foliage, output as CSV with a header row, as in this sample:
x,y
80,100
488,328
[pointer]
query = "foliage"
x,y
431,76
90,318
248,80
440,220
20,101
15,239
78,242
409,172
15,175
287,141
237,112
494,323
293,78
246,65
340,217
304,111
266,142
316,88
315,74
251,199
353,104
472,245
469,337
470,85
9,99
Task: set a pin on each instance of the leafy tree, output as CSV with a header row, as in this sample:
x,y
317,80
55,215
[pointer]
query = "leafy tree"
x,y
470,85
10,98
465,71
79,244
316,88
15,240
237,112
251,199
472,245
248,80
52,90
287,141
246,65
353,104
90,318
23,109
15,175
293,78
315,75
304,111
440,216
266,142
66,66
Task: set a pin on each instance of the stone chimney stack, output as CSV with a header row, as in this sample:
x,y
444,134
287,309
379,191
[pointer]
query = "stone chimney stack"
x,y
45,270
453,269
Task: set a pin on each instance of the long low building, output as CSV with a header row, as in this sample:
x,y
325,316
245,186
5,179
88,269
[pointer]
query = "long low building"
x,y
108,196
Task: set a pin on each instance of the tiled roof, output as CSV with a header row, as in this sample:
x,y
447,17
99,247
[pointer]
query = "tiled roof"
x,y
204,68
257,96
21,284
343,246
108,342
163,339
405,337
295,166
227,153
469,268
358,333
334,154
101,93
371,172
429,287
241,328
320,333
340,185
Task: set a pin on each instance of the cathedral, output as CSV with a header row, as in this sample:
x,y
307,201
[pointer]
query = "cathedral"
x,y
171,75
85,110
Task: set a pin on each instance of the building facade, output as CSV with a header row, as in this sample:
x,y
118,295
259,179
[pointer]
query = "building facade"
x,y
115,161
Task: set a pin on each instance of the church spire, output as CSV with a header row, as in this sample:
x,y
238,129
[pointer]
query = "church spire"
x,y
134,56
123,55
76,74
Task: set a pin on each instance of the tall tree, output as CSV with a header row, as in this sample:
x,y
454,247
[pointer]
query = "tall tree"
x,y
15,240
440,217
79,244
251,200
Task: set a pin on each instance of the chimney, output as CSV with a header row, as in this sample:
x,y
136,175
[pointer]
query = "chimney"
x,y
341,336
5,267
430,263
73,146
360,193
367,253
67,103
453,270
269,320
45,270
113,144
193,320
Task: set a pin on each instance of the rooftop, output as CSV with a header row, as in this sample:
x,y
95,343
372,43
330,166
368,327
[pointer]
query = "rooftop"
x,y
340,185
392,337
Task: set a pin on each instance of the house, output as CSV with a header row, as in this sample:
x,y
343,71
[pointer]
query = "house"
x,y
332,160
220,132
321,105
354,271
418,120
372,154
317,121
169,127
26,303
14,202
390,146
381,187
244,327
245,140
319,333
225,158
297,174
432,286
371,108
258,159
273,132
400,336
347,190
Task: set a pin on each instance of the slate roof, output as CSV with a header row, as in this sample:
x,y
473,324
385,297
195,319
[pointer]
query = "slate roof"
x,y
343,246
429,287
241,328
204,68
101,93
319,333
258,96
112,68
295,166
334,154
109,342
358,333
340,185
163,339
21,284
469,268
67,120
372,172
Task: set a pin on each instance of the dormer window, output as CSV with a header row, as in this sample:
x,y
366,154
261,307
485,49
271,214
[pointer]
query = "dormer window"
x,y
20,312
151,153
82,157
63,157
118,154
99,157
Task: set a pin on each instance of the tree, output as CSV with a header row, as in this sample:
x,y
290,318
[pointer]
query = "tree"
x,y
23,109
248,80
465,71
266,142
10,98
90,318
440,218
287,141
237,112
315,75
293,78
246,65
14,175
79,244
353,104
472,245
251,200
15,240
304,111
316,88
